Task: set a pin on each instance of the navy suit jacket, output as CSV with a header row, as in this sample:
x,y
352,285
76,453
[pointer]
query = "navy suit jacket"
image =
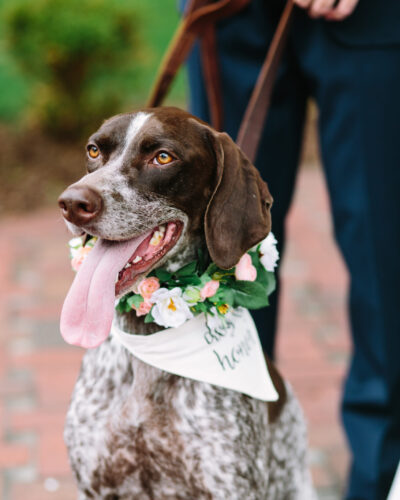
x,y
373,23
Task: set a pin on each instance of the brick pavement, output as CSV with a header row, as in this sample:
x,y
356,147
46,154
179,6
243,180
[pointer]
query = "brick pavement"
x,y
37,370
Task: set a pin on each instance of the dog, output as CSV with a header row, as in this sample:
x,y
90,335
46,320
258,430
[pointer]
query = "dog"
x,y
134,431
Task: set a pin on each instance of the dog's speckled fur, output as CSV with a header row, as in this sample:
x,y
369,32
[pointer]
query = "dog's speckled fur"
x,y
139,433
134,432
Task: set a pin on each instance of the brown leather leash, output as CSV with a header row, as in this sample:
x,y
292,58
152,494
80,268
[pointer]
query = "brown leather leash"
x,y
199,16
257,109
199,22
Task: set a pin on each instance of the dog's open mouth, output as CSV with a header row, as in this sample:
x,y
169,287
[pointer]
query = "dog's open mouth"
x,y
157,244
110,270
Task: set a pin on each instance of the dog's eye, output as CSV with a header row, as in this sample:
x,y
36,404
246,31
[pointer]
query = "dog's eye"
x,y
163,158
93,151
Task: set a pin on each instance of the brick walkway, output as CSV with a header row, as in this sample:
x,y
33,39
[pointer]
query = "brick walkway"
x,y
37,370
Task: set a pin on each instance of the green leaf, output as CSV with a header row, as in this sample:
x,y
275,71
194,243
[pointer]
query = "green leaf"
x,y
135,300
202,261
266,278
271,284
250,294
212,268
149,318
123,305
224,296
228,280
187,280
162,275
201,307
262,275
187,270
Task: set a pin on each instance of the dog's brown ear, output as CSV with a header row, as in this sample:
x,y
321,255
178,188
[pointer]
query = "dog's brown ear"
x,y
238,213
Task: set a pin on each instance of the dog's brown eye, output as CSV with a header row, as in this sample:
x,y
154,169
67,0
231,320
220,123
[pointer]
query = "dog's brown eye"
x,y
93,151
163,158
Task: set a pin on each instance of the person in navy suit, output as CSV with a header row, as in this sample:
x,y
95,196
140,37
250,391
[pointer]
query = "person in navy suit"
x,y
346,55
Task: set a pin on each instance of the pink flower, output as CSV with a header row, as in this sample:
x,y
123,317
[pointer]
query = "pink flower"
x,y
80,256
209,289
245,270
143,308
148,286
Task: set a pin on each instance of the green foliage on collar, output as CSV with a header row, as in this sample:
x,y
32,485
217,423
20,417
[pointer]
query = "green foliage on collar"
x,y
192,277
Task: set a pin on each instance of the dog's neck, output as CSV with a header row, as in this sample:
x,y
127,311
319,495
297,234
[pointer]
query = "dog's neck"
x,y
130,323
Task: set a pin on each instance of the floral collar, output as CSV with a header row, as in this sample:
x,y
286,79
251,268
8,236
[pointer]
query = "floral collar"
x,y
171,298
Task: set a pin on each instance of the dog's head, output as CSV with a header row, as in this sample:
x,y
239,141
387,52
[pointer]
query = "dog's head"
x,y
163,181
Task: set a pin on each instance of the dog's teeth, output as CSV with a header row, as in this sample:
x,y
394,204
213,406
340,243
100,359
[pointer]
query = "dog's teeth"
x,y
157,236
137,259
128,265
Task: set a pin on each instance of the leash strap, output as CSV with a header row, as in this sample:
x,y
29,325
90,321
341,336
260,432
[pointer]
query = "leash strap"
x,y
199,21
209,60
200,14
257,109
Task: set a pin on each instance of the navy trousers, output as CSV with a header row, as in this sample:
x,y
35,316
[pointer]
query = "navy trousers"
x,y
357,90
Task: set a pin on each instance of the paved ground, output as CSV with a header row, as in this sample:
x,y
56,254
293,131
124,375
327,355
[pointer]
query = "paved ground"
x,y
37,370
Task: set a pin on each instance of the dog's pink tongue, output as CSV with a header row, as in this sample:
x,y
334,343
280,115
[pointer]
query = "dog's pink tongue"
x,y
88,309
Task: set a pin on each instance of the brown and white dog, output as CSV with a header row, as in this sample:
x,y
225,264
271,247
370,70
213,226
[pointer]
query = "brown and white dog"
x,y
134,431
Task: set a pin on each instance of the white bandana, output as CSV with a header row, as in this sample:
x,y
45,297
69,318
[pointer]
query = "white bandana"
x,y
224,352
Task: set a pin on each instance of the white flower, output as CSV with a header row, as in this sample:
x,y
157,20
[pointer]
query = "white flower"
x,y
269,254
74,245
170,309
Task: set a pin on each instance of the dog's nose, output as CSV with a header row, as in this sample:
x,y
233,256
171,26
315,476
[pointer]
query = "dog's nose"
x,y
80,204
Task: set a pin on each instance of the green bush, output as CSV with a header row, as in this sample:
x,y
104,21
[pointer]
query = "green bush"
x,y
80,53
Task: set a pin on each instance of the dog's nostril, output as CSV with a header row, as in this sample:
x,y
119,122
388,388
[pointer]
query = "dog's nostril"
x,y
62,205
85,207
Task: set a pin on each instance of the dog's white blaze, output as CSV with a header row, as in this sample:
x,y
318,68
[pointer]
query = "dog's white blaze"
x,y
133,129
136,124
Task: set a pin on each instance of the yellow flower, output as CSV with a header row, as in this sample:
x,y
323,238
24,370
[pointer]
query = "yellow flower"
x,y
223,308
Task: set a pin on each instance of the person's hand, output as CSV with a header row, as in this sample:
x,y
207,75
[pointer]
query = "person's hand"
x,y
333,10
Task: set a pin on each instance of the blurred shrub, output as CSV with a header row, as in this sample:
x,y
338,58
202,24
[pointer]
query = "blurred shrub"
x,y
80,53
